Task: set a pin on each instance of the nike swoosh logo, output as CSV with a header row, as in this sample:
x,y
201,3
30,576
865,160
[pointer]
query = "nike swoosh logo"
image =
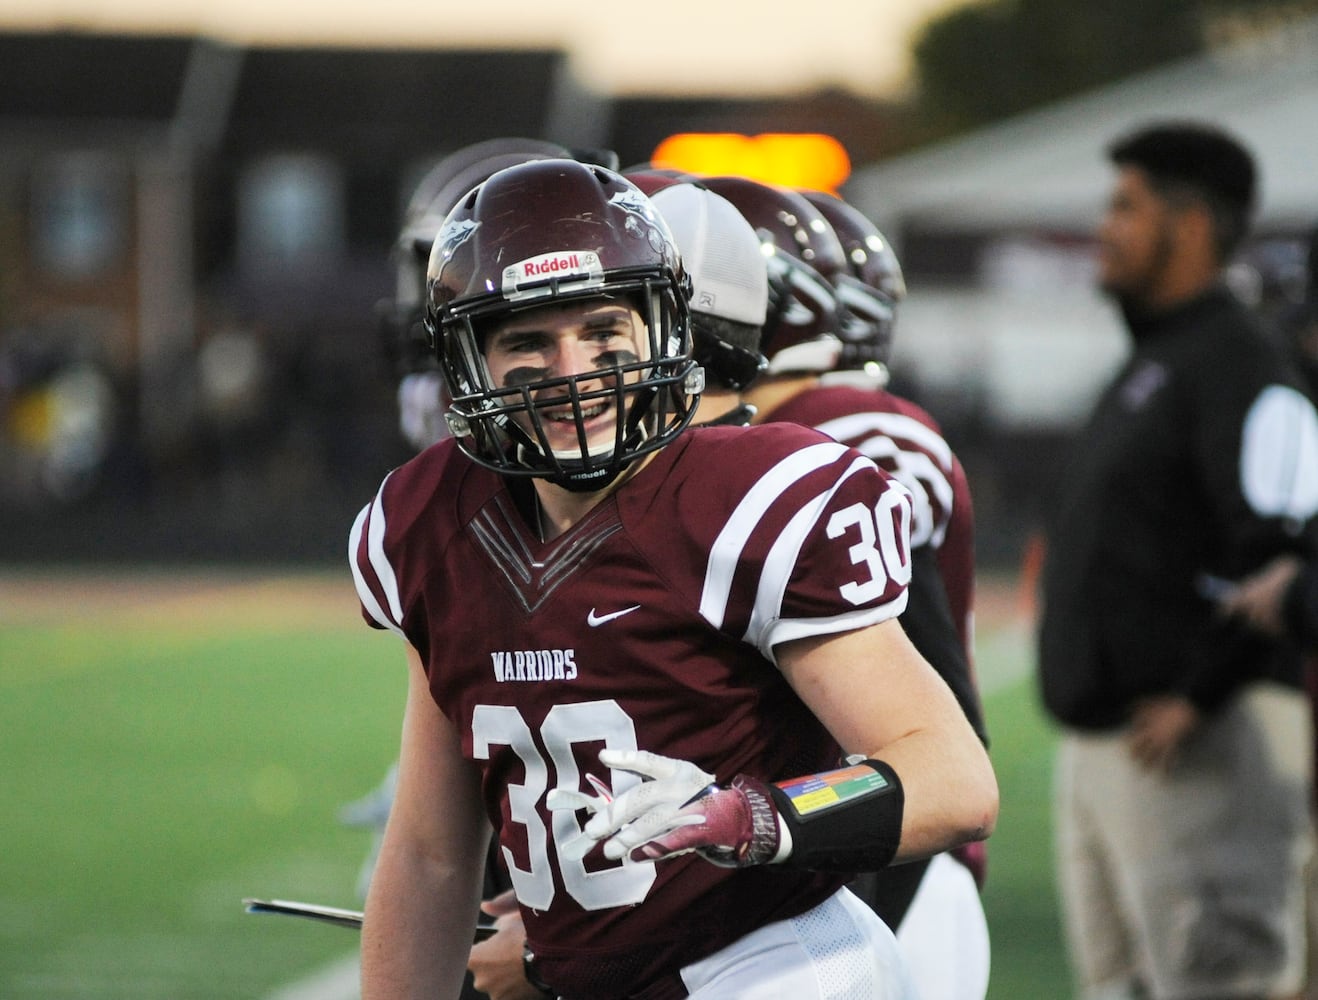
x,y
594,620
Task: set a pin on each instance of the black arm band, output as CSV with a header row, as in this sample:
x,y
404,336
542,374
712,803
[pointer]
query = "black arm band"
x,y
849,820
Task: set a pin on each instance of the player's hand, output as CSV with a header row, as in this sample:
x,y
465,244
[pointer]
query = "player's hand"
x,y
1258,600
648,810
676,808
496,963
1159,728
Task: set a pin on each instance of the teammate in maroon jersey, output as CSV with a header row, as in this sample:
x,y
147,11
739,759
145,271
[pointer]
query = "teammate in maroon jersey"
x,y
619,620
934,906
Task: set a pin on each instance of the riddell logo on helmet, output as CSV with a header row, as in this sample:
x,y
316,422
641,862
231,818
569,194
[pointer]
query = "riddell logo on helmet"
x,y
570,264
554,265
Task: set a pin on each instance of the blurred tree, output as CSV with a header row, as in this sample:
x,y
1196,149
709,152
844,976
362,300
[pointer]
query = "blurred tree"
x,y
989,60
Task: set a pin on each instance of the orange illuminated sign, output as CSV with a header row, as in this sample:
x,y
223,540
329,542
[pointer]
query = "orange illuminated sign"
x,y
794,160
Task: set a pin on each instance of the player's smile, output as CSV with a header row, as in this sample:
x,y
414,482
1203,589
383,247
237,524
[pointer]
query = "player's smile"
x,y
565,414
560,426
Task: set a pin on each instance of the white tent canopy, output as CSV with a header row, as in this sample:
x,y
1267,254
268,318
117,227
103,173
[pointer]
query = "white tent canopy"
x,y
1049,169
1027,334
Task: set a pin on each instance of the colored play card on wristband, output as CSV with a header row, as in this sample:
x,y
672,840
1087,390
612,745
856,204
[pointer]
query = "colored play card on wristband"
x,y
814,792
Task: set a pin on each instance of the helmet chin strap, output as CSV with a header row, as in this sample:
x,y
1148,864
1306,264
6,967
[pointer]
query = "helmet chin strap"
x,y
588,482
577,475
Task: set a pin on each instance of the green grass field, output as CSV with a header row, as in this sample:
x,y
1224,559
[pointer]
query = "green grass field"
x,y
171,745
1019,898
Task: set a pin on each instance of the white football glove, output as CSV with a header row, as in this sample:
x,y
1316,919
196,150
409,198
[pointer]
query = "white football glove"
x,y
677,808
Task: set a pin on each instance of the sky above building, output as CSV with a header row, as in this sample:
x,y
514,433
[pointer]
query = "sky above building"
x,y
686,47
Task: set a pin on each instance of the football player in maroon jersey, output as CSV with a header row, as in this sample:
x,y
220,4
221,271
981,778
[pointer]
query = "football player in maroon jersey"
x,y
869,292
729,299
663,665
819,244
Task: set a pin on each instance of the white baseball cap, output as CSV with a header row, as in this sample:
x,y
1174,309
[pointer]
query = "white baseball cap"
x,y
721,253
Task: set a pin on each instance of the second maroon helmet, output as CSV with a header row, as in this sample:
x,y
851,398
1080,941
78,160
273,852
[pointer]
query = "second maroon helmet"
x,y
804,258
871,288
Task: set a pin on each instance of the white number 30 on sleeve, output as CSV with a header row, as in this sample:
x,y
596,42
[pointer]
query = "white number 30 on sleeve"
x,y
883,547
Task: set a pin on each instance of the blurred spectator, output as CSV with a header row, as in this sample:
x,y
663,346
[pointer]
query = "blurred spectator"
x,y
1281,599
1182,826
1300,324
61,418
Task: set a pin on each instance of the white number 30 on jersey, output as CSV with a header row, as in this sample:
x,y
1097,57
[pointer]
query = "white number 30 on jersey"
x,y
586,722
882,548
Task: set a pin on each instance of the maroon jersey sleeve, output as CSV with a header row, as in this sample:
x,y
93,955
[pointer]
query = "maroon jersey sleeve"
x,y
907,443
811,538
900,437
376,587
397,537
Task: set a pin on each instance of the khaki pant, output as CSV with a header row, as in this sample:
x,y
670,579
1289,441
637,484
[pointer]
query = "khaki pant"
x,y
1311,989
1191,883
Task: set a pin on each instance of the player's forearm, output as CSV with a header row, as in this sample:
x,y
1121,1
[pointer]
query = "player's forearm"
x,y
880,699
417,930
951,793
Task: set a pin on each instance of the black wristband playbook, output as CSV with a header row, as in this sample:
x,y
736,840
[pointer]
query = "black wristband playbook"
x,y
848,820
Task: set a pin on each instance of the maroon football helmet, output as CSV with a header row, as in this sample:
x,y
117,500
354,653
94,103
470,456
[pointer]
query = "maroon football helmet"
x,y
542,233
805,258
870,290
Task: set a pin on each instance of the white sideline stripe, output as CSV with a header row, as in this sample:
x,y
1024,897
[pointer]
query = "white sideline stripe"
x,y
340,980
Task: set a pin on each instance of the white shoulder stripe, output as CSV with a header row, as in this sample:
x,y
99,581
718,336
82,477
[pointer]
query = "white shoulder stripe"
x,y
894,425
923,470
782,559
788,629
384,571
371,520
725,554
1279,455
364,594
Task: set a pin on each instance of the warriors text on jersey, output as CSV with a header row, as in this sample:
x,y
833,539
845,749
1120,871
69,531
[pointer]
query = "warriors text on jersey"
x,y
650,624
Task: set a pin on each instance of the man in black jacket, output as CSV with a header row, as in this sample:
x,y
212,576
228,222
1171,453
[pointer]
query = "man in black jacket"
x,y
1182,830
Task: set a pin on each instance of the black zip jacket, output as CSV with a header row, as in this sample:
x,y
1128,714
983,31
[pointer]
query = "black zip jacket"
x,y
1152,516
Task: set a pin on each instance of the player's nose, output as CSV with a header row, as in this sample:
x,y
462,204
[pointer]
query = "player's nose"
x,y
575,357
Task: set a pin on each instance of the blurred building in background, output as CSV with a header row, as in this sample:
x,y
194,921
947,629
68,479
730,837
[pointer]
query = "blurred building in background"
x,y
193,239
200,232
194,236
